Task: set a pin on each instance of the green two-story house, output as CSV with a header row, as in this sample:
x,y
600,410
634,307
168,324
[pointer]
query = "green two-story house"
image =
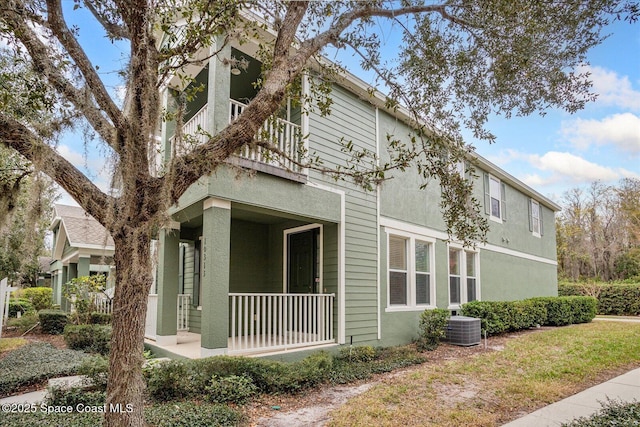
x,y
264,256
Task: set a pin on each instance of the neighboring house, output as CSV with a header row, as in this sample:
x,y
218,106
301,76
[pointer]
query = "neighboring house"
x,y
44,275
283,258
81,247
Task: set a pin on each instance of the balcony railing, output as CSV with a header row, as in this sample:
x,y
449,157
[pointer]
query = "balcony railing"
x,y
282,134
183,312
264,322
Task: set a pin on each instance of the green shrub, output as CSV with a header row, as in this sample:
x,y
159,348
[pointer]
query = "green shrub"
x,y
234,388
36,362
505,316
169,381
41,297
617,299
21,305
72,396
52,321
432,327
96,369
96,318
90,338
613,413
363,353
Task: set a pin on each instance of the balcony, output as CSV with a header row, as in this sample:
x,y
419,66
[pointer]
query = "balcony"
x,y
284,135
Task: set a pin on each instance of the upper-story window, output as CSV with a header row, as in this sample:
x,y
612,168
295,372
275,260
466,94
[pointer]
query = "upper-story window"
x,y
535,218
494,198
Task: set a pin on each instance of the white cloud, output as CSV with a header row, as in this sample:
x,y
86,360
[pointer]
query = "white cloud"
x,y
619,130
568,168
94,167
613,90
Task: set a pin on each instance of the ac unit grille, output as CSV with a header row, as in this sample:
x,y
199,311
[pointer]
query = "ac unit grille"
x,y
463,331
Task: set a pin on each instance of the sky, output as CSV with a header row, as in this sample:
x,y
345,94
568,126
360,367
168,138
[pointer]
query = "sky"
x,y
552,154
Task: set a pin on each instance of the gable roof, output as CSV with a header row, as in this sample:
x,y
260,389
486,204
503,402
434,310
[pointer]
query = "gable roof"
x,y
81,229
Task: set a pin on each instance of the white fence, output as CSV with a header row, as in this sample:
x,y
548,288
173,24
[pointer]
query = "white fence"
x,y
262,322
152,317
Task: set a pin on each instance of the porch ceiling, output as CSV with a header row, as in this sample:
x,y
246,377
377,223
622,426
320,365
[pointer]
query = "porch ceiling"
x,y
191,217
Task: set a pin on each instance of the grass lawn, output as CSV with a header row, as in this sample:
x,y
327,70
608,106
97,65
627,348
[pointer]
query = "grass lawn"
x,y
532,371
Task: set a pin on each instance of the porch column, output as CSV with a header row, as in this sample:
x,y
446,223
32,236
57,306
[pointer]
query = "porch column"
x,y
168,254
218,87
83,266
64,278
216,243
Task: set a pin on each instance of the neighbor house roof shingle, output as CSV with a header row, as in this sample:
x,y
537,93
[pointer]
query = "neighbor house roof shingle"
x,y
82,229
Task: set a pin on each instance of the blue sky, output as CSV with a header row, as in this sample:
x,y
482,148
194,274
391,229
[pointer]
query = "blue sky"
x,y
551,154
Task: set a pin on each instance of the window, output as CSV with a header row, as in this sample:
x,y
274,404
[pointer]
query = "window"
x,y
410,279
397,271
535,218
494,198
463,276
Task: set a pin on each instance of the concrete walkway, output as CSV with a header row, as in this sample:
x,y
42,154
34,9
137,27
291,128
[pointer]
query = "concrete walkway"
x,y
625,388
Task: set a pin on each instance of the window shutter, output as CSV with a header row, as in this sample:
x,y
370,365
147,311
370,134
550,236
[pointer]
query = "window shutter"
x,y
531,215
504,201
541,226
487,195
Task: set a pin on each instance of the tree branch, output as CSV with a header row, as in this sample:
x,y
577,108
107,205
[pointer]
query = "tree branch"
x,y
113,29
15,135
42,63
59,28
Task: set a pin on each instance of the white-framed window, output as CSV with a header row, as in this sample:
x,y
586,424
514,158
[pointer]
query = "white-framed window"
x,y
411,282
464,283
535,218
494,198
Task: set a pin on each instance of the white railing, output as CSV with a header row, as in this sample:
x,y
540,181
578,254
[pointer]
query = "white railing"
x,y
282,134
194,128
261,322
152,317
103,304
183,312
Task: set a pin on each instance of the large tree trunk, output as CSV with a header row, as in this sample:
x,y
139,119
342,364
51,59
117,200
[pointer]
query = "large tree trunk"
x,y
125,389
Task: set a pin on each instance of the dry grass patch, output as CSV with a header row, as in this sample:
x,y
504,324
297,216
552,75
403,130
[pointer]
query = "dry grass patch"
x,y
8,344
495,387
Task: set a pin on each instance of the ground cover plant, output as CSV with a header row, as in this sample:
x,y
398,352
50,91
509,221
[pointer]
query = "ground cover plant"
x,y
34,363
182,414
613,413
532,370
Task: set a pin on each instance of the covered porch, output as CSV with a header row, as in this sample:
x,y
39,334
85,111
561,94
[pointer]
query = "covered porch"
x,y
238,279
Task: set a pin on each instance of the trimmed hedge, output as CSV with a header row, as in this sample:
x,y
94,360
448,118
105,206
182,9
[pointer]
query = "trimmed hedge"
x,y
613,413
96,318
613,299
53,321
507,316
90,338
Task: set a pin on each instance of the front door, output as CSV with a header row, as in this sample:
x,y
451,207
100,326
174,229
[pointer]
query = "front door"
x,y
303,262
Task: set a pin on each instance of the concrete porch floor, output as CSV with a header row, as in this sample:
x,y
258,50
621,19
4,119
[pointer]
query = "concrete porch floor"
x,y
189,344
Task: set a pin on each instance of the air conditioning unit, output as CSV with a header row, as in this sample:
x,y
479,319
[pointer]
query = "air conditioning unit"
x,y
463,331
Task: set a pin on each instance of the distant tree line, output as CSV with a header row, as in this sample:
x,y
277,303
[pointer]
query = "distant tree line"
x,y
598,232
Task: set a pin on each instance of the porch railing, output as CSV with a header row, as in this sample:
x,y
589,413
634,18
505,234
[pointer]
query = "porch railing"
x,y
102,303
262,322
183,312
283,134
193,127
